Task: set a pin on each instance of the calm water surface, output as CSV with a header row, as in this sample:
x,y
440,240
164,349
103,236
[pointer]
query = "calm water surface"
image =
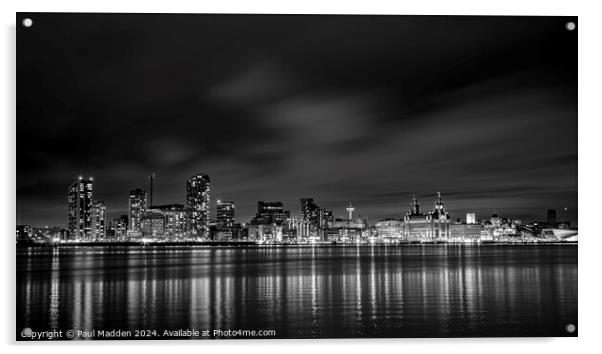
x,y
410,291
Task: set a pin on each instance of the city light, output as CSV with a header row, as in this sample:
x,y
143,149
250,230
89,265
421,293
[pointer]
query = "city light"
x,y
274,225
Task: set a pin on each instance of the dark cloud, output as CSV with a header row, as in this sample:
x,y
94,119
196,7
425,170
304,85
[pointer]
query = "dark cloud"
x,y
368,109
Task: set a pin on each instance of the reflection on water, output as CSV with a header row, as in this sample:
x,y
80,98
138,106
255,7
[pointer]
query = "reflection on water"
x,y
426,291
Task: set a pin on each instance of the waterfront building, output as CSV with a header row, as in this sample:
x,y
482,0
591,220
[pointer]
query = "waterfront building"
x,y
471,218
136,207
347,230
175,222
79,201
222,234
270,213
317,217
464,232
325,217
198,191
226,229
389,230
296,230
268,223
429,226
265,233
99,216
495,220
486,234
152,224
309,209
310,212
235,232
225,213
117,230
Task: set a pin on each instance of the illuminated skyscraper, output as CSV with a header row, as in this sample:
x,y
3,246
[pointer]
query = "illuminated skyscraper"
x,y
99,216
137,206
175,220
80,209
198,190
316,217
225,213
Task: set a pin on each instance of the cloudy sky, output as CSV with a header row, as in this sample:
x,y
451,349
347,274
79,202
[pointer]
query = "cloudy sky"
x,y
361,109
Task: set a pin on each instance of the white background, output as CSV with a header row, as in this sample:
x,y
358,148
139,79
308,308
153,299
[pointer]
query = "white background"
x,y
590,200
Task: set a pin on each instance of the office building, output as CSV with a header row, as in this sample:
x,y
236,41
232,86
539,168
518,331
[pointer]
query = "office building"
x,y
270,213
389,230
174,220
137,207
346,229
152,224
117,230
198,189
79,200
225,213
99,216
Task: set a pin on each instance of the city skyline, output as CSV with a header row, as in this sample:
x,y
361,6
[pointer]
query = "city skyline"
x,y
425,108
143,196
197,176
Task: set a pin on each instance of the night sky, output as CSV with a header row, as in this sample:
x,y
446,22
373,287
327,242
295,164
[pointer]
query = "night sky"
x,y
361,109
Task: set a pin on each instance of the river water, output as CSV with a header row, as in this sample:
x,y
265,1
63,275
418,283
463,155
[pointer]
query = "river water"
x,y
322,292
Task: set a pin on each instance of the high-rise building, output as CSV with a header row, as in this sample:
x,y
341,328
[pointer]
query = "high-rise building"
x,y
225,213
118,228
317,217
99,216
309,209
471,218
175,220
137,207
270,213
198,198
552,217
326,216
79,200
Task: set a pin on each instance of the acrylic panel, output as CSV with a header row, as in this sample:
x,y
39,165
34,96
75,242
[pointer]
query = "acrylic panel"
x,y
205,176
